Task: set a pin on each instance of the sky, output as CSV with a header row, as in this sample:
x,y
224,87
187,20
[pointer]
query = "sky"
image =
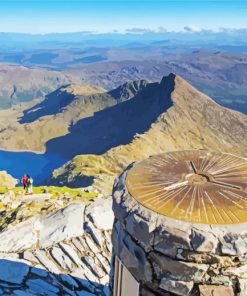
x,y
47,16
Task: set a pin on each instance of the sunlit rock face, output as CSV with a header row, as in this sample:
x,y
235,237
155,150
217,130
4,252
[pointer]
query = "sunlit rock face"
x,y
66,252
7,180
180,223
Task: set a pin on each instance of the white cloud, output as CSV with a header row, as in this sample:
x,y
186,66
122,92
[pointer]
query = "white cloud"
x,y
193,29
138,31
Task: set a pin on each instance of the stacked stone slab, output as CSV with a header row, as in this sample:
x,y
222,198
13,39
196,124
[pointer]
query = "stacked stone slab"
x,y
67,252
173,257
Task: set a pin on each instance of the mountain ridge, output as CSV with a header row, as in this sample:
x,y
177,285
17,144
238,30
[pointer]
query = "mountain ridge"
x,y
192,121
103,131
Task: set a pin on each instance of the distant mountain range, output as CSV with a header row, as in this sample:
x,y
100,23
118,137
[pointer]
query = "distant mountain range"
x,y
221,75
188,36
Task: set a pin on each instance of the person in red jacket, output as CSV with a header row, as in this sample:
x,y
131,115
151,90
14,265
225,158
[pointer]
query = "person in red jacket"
x,y
24,181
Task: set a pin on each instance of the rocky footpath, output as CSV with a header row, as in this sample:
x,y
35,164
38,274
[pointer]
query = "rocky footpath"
x,y
173,257
65,252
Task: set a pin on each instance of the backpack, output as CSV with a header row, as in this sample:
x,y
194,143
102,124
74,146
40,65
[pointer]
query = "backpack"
x,y
30,181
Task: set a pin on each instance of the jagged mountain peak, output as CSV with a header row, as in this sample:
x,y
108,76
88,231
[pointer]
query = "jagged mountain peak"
x,y
128,90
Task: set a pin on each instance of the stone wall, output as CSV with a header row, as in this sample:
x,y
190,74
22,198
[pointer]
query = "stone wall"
x,y
65,253
172,257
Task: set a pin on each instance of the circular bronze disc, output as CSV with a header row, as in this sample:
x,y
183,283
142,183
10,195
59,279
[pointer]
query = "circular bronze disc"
x,y
196,186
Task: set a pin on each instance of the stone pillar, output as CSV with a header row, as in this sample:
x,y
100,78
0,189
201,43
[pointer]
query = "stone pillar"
x,y
180,223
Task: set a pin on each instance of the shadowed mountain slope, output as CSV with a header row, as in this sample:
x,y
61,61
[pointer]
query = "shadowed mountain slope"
x,y
53,117
58,114
57,101
172,115
128,90
116,125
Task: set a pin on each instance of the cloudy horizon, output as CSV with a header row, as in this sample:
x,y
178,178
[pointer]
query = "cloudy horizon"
x,y
142,31
64,16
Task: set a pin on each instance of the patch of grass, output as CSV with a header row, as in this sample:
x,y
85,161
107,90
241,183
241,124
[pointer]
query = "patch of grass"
x,y
60,197
54,191
3,190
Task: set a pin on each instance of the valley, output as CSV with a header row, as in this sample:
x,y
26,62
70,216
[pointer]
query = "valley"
x,y
84,135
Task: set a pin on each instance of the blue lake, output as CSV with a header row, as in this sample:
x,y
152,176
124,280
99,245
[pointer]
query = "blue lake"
x,y
39,166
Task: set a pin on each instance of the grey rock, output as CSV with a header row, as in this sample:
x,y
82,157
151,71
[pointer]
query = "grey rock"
x,y
8,197
169,238
96,234
116,237
239,271
29,256
221,280
176,287
12,271
61,258
134,258
21,293
69,281
179,270
104,263
77,243
95,268
83,242
92,246
61,225
71,252
203,241
46,262
101,213
234,243
142,230
86,278
39,272
105,280
19,238
108,241
42,287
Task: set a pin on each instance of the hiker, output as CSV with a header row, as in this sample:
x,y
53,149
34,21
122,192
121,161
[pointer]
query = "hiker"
x,y
29,184
24,182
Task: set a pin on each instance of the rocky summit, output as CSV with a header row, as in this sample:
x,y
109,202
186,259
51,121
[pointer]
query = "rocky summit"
x,y
65,252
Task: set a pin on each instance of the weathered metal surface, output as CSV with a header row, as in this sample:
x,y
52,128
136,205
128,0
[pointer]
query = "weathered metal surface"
x,y
195,186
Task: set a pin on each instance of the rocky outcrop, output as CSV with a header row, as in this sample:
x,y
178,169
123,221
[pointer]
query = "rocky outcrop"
x,y
166,255
128,90
67,252
6,180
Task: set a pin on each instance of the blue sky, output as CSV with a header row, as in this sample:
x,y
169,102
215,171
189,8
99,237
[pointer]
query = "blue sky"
x,y
36,16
